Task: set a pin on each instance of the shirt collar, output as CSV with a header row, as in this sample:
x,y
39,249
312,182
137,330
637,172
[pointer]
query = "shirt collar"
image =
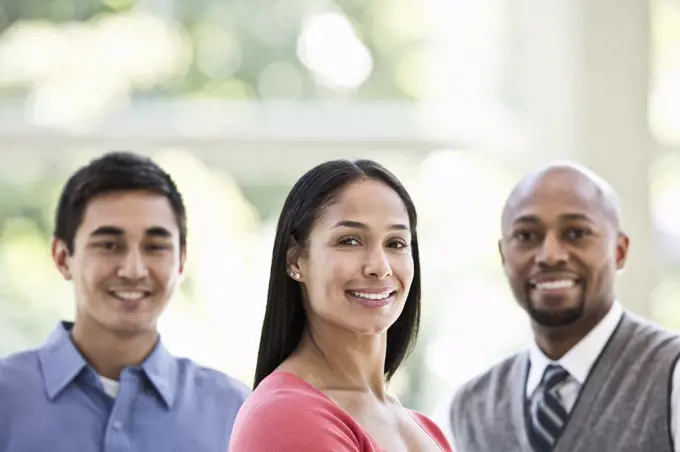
x,y
160,368
580,359
61,363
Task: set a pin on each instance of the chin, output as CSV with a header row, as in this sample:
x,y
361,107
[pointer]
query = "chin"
x,y
131,327
374,329
562,308
555,317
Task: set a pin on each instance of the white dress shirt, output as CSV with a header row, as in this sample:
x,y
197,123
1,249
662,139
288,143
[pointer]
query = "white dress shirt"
x,y
578,362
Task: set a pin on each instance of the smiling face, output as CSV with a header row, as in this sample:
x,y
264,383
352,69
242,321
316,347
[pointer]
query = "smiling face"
x,y
358,268
561,248
125,264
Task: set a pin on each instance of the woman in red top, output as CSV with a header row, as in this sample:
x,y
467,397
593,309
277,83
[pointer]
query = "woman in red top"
x,y
343,310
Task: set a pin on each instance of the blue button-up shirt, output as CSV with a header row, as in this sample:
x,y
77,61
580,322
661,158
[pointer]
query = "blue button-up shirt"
x,y
51,400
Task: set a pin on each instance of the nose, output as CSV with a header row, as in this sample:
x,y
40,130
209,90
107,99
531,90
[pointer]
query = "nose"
x,y
551,252
133,266
377,264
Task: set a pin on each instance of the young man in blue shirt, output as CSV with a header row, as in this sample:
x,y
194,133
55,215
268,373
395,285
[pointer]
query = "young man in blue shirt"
x,y
106,382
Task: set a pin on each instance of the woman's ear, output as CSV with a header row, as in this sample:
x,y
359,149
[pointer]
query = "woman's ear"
x,y
293,257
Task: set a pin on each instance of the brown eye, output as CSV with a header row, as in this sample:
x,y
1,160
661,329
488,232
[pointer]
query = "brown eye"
x,y
397,244
577,234
107,246
158,247
349,241
524,236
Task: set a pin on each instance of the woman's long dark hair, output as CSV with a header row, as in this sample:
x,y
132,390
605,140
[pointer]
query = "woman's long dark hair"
x,y
285,318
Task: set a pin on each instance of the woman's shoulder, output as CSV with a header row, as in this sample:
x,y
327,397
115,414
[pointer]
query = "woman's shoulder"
x,y
287,413
283,391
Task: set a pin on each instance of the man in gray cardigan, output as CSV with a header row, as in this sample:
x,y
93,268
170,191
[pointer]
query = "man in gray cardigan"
x,y
597,378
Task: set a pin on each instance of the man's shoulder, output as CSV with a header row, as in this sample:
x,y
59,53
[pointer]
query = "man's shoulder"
x,y
648,335
212,381
19,368
650,328
489,382
20,375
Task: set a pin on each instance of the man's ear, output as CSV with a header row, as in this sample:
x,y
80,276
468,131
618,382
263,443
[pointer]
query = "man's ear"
x,y
182,262
61,258
294,266
500,251
622,245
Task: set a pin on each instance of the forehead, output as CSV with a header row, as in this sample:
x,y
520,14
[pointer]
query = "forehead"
x,y
132,211
557,195
366,201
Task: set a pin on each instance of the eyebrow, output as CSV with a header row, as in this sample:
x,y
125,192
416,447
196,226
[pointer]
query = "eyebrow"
x,y
359,225
156,231
533,219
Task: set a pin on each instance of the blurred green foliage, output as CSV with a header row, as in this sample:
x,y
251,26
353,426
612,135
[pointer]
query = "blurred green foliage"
x,y
265,31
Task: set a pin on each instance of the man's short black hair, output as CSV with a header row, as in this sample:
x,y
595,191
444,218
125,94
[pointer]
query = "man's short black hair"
x,y
114,172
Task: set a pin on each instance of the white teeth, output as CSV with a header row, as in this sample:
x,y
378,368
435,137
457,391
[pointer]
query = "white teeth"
x,y
129,295
372,296
553,285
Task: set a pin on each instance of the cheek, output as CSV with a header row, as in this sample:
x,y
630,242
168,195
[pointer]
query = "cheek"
x,y
601,261
335,273
512,259
604,274
517,279
90,271
163,270
327,270
324,281
512,271
403,269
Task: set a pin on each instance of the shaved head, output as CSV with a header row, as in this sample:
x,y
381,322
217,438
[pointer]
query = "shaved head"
x,y
577,177
562,246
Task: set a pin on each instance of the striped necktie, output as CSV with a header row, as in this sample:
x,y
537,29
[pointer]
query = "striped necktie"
x,y
547,414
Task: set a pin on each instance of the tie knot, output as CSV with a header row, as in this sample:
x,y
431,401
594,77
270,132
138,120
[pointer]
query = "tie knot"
x,y
553,376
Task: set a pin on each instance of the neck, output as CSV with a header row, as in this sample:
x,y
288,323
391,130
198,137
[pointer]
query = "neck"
x,y
109,353
336,359
556,342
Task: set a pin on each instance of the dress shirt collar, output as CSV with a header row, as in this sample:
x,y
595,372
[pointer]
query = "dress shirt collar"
x,y
61,363
580,359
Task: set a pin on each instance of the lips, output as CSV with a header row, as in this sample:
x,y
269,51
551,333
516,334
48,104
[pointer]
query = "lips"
x,y
370,295
372,298
129,295
555,285
553,282
553,276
